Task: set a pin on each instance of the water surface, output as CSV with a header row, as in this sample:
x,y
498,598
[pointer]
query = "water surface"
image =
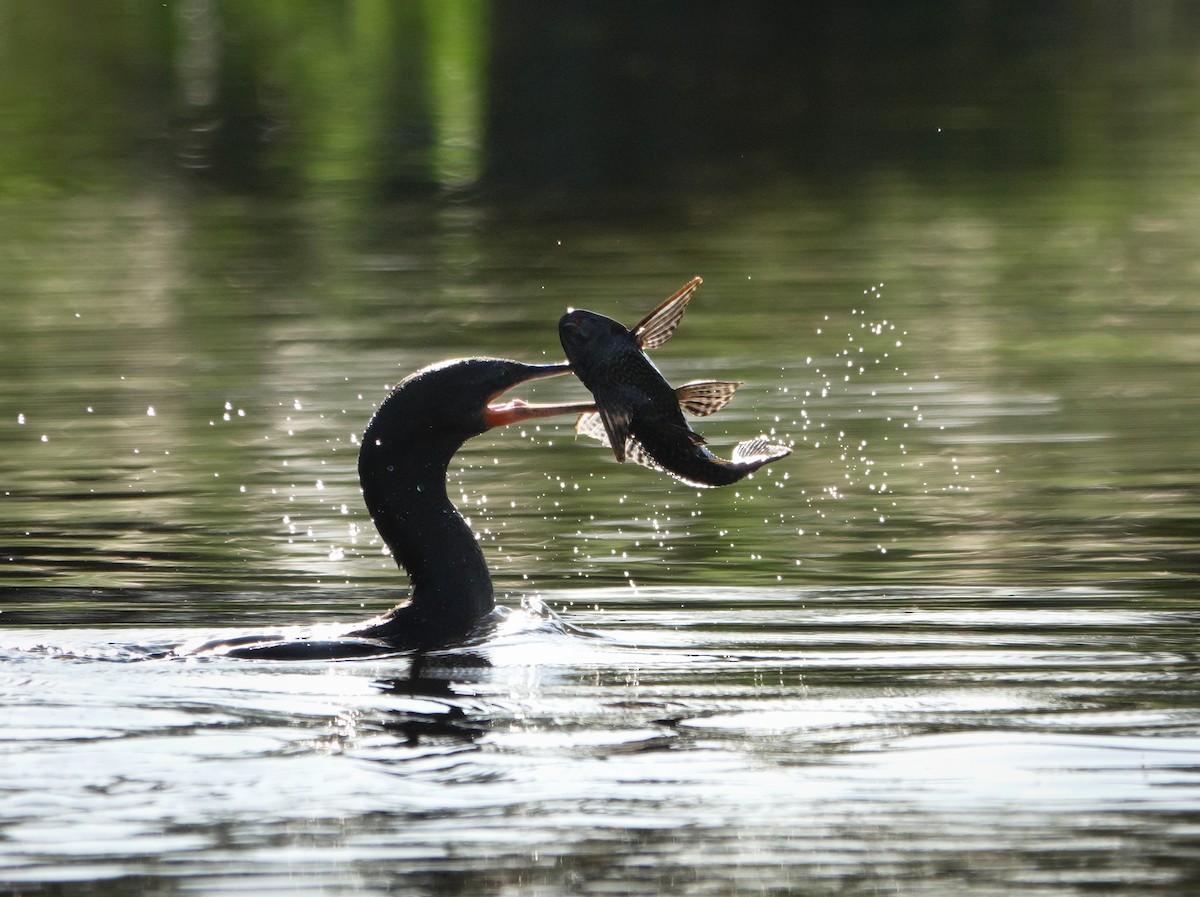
x,y
946,647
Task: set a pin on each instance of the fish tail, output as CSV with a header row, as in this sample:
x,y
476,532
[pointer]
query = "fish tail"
x,y
756,452
704,469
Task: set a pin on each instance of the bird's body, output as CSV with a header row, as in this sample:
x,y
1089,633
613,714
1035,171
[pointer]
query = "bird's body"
x,y
402,465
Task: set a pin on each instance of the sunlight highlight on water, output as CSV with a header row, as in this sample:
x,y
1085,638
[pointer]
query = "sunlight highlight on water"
x,y
957,736
945,647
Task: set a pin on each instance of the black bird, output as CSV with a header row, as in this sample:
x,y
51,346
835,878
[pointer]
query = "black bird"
x,y
402,464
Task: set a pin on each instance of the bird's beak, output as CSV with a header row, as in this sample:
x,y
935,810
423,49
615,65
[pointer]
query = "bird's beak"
x,y
499,414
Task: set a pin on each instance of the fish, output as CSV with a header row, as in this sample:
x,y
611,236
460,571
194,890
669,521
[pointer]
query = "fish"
x,y
638,413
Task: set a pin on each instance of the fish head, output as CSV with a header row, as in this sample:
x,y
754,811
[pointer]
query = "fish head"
x,y
592,340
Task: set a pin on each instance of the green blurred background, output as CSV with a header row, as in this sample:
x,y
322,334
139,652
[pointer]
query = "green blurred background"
x,y
275,209
385,100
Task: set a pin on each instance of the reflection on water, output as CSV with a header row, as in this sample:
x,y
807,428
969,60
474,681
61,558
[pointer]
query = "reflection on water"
x,y
946,647
825,740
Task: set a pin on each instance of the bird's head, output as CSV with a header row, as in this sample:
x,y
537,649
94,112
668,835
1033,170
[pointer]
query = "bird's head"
x,y
466,396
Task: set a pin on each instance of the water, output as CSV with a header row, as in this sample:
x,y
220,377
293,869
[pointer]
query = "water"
x,y
836,741
956,659
946,647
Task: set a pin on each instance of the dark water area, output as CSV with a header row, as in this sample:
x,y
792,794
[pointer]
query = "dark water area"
x,y
946,647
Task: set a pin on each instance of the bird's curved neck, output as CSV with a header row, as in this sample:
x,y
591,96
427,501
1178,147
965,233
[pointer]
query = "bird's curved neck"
x,y
402,468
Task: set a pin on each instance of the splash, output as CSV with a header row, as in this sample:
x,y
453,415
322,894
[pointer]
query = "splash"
x,y
858,414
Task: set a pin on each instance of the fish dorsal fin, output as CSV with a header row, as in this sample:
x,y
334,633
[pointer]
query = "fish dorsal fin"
x,y
656,328
759,451
701,398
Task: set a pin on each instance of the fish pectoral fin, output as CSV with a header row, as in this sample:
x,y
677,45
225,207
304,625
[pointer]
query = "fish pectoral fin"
x,y
589,424
616,427
592,423
701,398
608,425
656,328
